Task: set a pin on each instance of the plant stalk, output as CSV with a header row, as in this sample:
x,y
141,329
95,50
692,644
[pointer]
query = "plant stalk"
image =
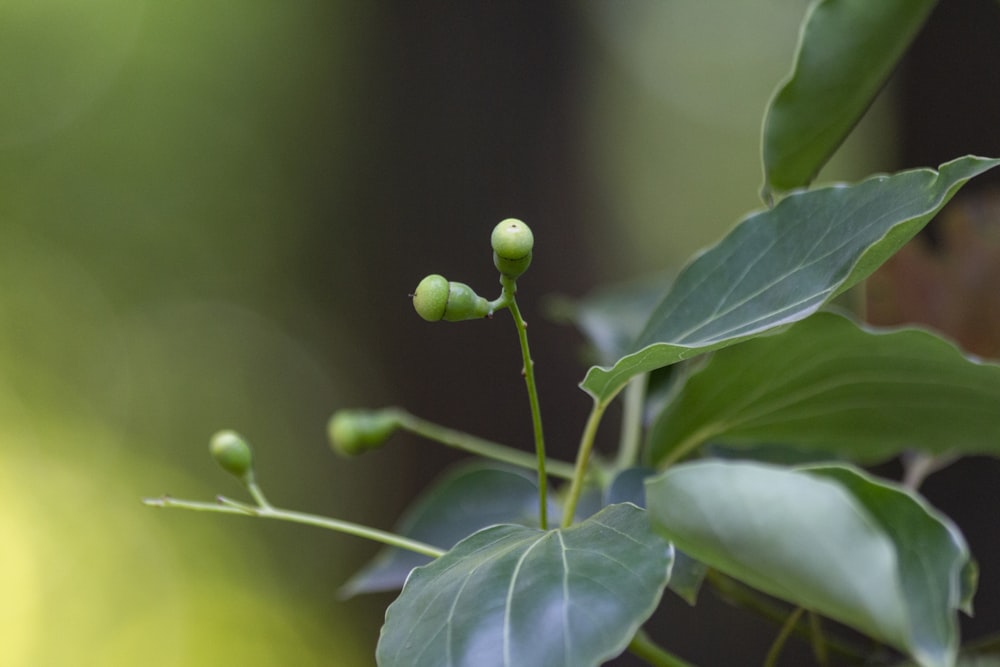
x,y
779,642
643,647
227,506
509,289
740,595
582,460
631,437
480,447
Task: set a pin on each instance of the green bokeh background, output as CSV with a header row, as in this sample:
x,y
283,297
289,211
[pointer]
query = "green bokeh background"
x,y
210,214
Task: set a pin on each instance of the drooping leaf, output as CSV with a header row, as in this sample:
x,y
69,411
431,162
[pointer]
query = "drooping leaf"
x,y
781,265
830,539
466,500
847,50
827,384
515,596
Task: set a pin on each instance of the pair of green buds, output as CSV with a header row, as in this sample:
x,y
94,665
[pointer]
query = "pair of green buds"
x,y
437,298
352,432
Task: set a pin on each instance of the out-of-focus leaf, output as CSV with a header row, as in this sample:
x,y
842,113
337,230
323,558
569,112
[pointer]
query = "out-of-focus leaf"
x,y
611,317
830,539
973,660
825,384
847,50
511,595
468,499
781,265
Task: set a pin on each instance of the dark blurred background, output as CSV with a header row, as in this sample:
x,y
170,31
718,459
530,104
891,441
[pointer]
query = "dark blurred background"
x,y
211,215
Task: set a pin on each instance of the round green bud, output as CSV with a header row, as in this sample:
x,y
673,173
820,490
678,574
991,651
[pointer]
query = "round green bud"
x,y
512,242
232,453
354,432
436,299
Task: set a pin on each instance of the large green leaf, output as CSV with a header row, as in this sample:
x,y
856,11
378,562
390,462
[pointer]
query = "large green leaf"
x,y
511,596
828,385
830,539
846,51
464,501
781,265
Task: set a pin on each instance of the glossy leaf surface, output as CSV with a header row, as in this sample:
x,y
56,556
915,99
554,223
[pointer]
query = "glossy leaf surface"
x,y
512,596
828,385
466,500
847,50
829,539
781,265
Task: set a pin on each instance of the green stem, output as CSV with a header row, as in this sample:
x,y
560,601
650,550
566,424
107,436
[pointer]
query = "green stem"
x,y
255,492
643,647
818,639
510,289
779,642
631,438
582,460
742,596
480,447
227,506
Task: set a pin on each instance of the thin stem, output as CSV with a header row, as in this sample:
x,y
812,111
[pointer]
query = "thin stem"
x,y
818,639
227,506
255,492
742,596
480,447
643,647
582,460
779,642
918,466
510,288
631,438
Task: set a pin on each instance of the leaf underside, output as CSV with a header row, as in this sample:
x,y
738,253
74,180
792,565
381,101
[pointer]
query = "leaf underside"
x,y
830,539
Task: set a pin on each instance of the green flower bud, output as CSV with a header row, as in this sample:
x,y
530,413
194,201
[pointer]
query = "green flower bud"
x,y
232,453
512,242
437,299
354,432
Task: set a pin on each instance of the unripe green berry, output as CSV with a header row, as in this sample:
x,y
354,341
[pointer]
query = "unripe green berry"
x,y
512,242
232,453
354,432
437,299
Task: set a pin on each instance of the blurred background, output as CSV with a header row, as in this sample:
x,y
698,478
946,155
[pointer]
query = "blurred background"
x,y
211,215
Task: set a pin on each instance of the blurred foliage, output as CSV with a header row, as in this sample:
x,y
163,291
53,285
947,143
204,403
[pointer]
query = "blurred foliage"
x,y
151,196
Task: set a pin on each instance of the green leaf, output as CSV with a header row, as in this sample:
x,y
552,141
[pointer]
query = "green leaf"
x,y
827,385
846,52
781,265
515,596
830,539
687,575
466,500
